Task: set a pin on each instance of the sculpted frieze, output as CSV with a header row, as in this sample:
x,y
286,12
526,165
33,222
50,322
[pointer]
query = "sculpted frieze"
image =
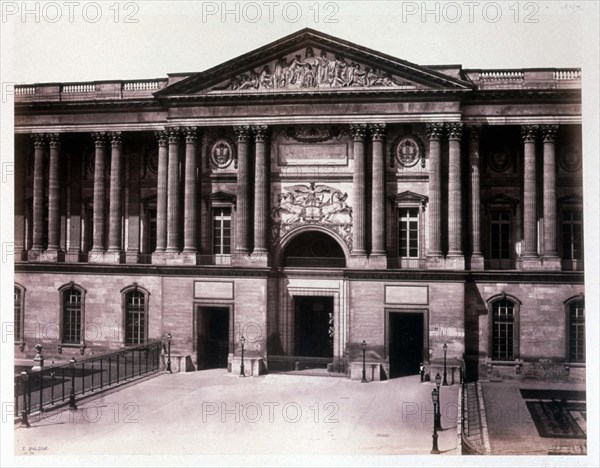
x,y
322,205
310,70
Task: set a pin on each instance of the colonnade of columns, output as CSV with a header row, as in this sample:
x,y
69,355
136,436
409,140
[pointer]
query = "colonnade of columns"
x,y
255,205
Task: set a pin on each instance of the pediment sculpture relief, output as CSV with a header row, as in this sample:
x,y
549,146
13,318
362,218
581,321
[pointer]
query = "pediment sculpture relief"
x,y
312,204
311,70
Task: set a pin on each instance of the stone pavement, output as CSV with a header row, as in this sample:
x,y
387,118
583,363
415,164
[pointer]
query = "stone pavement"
x,y
510,425
212,412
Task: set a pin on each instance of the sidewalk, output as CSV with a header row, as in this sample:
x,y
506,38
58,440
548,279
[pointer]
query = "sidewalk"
x,y
512,429
212,412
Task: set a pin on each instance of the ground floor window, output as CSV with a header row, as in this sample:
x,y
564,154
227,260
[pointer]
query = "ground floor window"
x,y
576,314
503,330
72,315
135,317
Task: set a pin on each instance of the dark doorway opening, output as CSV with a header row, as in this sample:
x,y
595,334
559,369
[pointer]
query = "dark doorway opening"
x,y
405,343
213,337
313,326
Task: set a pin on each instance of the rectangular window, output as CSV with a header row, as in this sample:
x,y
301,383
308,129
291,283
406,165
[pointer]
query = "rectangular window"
x,y
577,332
503,330
500,235
71,325
222,231
572,235
408,219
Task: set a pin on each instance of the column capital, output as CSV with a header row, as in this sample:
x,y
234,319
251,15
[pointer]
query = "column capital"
x,y
377,131
455,130
191,134
549,133
242,133
54,140
99,138
162,136
115,139
529,133
434,130
39,139
359,131
173,134
261,132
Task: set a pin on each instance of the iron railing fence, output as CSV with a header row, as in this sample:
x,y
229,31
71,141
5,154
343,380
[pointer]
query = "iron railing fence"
x,y
42,390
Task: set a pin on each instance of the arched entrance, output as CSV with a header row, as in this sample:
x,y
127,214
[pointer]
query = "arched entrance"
x,y
314,249
307,324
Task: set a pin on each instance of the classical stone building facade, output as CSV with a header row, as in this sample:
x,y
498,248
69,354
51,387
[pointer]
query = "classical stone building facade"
x,y
308,195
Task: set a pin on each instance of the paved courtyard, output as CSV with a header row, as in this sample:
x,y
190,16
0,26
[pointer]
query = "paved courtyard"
x,y
212,412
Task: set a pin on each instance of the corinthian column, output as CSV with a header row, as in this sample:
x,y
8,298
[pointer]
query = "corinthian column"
x,y
550,259
529,133
115,211
476,256
161,191
38,192
359,131
434,132
261,192
173,192
455,130
99,220
378,191
190,219
243,203
54,194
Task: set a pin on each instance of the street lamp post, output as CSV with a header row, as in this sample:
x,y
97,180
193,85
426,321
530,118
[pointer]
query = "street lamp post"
x,y
169,353
434,449
242,370
364,369
25,409
72,404
438,416
445,348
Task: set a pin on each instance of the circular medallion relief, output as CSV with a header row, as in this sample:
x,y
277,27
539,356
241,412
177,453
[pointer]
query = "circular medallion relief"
x,y
408,153
500,159
221,154
570,159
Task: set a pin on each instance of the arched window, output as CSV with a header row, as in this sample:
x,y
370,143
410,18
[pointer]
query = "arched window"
x,y
72,302
576,330
19,318
135,307
504,334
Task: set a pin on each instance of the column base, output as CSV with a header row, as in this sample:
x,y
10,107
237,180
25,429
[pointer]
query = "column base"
x,y
551,263
34,255
105,258
435,262
358,261
260,258
530,263
174,258
455,262
378,261
477,262
50,255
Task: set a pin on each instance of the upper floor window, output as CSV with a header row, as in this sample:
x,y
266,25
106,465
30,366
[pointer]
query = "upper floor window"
x,y
222,230
135,310
72,315
408,229
408,235
500,235
576,333
572,235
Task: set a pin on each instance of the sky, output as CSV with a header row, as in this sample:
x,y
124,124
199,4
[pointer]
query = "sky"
x,y
58,41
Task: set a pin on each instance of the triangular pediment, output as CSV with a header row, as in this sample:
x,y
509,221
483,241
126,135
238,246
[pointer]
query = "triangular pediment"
x,y
312,62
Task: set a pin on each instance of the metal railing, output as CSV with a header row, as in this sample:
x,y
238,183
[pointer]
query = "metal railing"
x,y
38,391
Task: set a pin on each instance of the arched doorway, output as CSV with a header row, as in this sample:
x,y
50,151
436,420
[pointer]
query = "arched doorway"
x,y
314,249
